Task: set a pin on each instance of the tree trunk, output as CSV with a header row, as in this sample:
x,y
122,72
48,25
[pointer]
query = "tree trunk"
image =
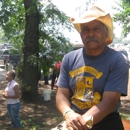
x,y
46,80
30,71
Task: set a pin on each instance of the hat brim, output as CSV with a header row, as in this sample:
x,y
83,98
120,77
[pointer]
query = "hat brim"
x,y
102,17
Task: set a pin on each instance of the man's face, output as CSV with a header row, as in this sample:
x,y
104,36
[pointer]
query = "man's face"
x,y
93,35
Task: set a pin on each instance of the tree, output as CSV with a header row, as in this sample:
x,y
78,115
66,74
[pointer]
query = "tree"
x,y
2,37
30,71
84,7
12,21
36,29
123,16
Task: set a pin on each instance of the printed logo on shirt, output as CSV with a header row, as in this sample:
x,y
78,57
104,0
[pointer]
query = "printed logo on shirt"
x,y
86,69
84,97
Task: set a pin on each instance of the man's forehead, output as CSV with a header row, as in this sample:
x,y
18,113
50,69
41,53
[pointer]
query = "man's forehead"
x,y
92,23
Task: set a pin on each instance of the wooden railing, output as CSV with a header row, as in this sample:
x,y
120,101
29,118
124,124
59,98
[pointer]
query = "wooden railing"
x,y
126,124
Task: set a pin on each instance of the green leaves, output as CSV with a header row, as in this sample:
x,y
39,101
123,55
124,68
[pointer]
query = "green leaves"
x,y
52,24
52,44
12,19
123,16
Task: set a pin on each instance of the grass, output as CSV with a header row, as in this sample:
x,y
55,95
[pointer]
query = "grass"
x,y
31,123
126,116
34,126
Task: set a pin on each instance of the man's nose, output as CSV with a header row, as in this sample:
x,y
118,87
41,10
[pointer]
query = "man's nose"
x,y
91,32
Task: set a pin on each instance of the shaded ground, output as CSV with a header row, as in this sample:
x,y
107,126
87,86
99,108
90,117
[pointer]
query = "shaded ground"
x,y
43,113
125,102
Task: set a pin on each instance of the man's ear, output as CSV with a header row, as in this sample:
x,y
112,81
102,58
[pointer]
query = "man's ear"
x,y
107,40
106,33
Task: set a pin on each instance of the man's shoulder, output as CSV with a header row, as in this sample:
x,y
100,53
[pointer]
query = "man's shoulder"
x,y
73,56
75,52
114,52
117,56
118,52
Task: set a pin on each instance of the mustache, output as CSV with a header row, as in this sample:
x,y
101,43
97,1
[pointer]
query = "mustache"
x,y
90,39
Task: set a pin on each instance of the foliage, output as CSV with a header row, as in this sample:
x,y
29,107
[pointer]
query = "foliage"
x,y
2,37
52,43
126,116
23,87
35,125
84,7
12,20
123,16
36,29
29,122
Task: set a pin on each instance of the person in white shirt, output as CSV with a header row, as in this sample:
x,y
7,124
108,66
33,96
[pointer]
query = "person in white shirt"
x,y
12,95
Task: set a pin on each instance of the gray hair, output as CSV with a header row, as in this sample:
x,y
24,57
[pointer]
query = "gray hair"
x,y
12,73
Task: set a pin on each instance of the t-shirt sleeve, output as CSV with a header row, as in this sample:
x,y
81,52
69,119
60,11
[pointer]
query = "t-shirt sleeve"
x,y
117,80
15,84
63,80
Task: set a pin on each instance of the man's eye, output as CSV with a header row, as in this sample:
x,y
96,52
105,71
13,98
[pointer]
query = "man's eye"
x,y
86,29
97,29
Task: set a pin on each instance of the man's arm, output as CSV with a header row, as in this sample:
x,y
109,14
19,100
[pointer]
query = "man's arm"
x,y
74,120
105,107
99,111
62,99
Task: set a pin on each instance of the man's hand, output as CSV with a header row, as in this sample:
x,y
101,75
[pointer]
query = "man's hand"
x,y
75,121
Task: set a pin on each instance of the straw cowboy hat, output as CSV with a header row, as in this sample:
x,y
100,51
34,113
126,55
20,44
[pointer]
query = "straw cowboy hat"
x,y
95,13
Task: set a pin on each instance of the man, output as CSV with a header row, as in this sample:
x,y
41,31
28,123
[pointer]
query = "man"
x,y
92,79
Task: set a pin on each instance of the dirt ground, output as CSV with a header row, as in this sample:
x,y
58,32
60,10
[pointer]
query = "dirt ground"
x,y
43,114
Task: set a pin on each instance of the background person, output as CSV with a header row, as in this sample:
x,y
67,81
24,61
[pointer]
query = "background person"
x,y
12,95
55,74
92,79
58,65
